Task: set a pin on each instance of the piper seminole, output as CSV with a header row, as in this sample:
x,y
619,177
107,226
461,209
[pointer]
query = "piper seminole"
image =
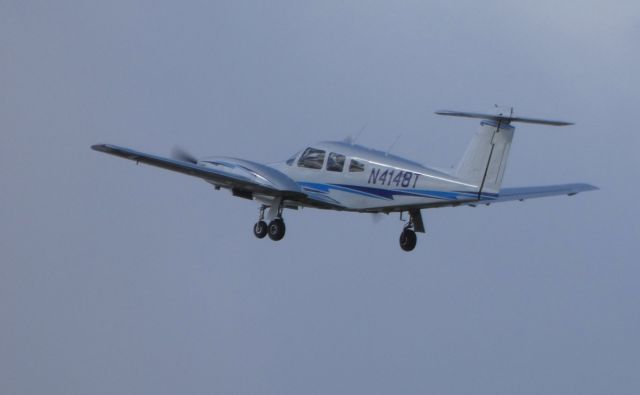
x,y
344,176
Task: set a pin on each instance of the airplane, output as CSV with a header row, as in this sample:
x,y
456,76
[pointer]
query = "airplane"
x,y
344,176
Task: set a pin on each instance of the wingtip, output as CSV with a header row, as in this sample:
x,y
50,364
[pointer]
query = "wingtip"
x,y
101,147
584,188
561,123
589,187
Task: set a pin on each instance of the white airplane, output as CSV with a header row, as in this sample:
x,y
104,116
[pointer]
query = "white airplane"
x,y
344,176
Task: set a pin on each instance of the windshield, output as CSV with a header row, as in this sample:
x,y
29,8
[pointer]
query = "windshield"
x,y
311,158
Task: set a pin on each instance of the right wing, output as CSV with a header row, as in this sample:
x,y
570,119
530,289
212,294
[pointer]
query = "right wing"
x,y
260,185
511,194
506,195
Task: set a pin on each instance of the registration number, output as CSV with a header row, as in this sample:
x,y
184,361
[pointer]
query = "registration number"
x,y
398,178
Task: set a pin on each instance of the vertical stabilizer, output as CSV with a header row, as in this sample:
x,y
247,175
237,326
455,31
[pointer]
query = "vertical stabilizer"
x,y
485,159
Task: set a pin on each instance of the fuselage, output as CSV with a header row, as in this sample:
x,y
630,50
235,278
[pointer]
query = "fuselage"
x,y
352,177
347,177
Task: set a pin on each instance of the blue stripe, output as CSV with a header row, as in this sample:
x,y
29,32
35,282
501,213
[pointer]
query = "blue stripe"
x,y
363,191
388,194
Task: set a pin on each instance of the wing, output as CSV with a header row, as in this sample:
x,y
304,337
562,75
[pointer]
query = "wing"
x,y
506,195
261,184
511,194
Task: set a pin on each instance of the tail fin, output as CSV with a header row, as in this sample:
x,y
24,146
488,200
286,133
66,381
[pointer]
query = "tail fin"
x,y
485,159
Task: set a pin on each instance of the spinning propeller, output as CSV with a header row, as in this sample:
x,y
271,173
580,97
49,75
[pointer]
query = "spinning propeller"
x,y
180,154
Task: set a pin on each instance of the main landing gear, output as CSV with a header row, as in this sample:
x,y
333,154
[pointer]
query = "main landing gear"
x,y
408,238
275,229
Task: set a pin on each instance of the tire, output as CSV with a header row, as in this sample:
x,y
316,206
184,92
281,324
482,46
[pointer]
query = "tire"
x,y
276,229
260,229
408,240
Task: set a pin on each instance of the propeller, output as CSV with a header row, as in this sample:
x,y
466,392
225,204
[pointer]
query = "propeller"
x,y
180,154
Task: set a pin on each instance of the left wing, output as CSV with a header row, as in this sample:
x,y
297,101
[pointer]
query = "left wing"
x,y
511,194
269,183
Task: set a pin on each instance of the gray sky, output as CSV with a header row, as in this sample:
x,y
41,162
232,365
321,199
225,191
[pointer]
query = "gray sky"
x,y
133,280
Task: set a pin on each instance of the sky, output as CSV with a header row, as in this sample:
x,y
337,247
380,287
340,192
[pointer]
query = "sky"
x,y
116,278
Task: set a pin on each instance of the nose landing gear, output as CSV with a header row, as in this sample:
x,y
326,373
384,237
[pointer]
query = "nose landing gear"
x,y
260,229
275,229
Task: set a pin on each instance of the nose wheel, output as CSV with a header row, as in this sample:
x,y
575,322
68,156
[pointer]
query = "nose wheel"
x,y
260,229
275,229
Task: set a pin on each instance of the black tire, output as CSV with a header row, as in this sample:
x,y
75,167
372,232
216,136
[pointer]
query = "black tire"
x,y
260,229
408,240
276,229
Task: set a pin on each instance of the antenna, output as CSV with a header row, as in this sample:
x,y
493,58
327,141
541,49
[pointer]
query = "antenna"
x,y
351,140
393,144
357,136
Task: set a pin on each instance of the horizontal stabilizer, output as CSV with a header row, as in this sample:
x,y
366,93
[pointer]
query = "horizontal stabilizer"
x,y
503,118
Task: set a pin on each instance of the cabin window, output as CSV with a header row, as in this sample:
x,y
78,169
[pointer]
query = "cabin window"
x,y
356,166
335,162
311,158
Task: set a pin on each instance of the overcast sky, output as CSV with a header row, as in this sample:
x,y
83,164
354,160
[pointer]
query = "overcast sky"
x,y
124,279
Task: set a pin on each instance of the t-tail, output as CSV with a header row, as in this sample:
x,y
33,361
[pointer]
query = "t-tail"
x,y
485,160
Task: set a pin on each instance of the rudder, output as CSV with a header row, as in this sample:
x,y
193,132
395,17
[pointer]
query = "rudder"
x,y
485,160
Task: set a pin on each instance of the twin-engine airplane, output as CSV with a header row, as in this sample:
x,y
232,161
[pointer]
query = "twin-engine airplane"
x,y
347,177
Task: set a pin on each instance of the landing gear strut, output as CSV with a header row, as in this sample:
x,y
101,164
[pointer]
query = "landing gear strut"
x,y
408,239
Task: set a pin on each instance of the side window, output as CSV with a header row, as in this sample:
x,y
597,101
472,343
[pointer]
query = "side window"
x,y
356,166
335,162
311,158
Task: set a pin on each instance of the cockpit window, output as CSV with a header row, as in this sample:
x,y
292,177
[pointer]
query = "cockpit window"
x,y
356,166
335,162
311,158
